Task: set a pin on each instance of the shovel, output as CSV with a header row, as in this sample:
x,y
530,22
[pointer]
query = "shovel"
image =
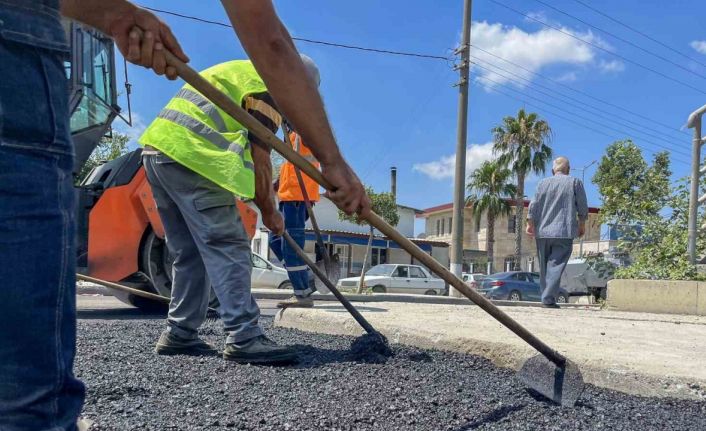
x,y
551,374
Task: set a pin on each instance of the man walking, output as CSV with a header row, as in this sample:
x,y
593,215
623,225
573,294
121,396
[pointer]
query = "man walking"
x,y
556,216
197,160
293,208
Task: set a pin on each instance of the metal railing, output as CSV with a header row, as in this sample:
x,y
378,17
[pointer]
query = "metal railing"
x,y
697,171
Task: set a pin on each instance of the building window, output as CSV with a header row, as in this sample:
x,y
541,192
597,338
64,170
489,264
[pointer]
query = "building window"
x,y
378,256
257,246
509,263
450,224
438,227
511,223
443,230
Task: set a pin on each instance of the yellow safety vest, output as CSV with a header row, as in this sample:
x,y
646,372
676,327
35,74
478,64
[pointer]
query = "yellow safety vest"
x,y
197,134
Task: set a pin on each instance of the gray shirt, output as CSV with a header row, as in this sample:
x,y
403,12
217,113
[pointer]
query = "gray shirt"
x,y
558,205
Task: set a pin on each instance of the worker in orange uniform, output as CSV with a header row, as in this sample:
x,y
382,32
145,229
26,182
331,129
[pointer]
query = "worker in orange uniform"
x,y
292,205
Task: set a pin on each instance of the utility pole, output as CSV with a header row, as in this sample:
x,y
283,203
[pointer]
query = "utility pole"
x,y
583,180
460,179
694,122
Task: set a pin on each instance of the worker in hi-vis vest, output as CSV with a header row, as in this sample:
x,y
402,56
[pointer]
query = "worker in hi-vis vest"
x,y
293,208
198,160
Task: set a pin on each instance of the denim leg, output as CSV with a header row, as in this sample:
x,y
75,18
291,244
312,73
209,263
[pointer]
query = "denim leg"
x,y
213,220
295,216
38,391
558,255
191,289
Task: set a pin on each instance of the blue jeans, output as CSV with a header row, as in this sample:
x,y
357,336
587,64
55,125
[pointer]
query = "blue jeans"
x,y
295,217
38,391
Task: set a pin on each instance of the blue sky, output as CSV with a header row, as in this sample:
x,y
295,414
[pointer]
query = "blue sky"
x,y
389,110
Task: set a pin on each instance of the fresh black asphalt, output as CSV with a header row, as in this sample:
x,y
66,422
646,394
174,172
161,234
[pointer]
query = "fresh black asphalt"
x,y
130,388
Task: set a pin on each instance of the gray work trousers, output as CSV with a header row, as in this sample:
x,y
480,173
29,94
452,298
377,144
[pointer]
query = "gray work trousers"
x,y
205,235
553,255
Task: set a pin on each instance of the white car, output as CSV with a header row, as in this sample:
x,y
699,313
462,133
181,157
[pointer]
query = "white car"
x,y
473,280
393,278
267,275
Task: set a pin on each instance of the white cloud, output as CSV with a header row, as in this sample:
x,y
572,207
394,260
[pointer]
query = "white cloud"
x,y
445,166
134,132
567,77
531,50
613,66
699,46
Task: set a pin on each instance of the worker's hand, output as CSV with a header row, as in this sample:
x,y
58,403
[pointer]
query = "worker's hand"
x,y
146,49
349,193
530,229
273,221
582,229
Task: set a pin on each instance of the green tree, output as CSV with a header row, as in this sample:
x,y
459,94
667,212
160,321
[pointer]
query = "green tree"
x,y
639,199
522,144
385,206
109,148
489,188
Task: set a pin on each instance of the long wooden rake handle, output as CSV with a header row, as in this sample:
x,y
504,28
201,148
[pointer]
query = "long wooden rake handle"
x,y
264,134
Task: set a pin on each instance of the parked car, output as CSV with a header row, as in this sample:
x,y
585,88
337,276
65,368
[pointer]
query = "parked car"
x,y
474,279
393,278
265,274
516,286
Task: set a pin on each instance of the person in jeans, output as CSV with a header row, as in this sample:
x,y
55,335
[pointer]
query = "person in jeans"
x,y
556,216
38,391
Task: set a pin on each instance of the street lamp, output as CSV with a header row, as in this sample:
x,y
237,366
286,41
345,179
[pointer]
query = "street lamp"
x,y
583,180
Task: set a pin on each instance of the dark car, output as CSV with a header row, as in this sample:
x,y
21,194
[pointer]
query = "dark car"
x,y
516,286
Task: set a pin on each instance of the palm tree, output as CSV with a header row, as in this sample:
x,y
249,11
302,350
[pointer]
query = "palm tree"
x,y
522,143
489,188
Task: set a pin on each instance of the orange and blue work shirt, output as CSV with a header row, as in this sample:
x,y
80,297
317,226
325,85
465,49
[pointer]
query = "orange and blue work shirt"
x,y
289,188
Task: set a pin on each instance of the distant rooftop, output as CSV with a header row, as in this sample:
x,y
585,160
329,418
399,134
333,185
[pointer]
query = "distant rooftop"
x,y
446,207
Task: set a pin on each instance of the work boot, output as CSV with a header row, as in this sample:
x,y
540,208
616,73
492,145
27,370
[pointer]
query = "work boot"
x,y
170,344
259,350
296,302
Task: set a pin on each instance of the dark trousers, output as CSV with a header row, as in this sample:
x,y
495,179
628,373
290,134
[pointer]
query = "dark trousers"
x,y
295,217
553,253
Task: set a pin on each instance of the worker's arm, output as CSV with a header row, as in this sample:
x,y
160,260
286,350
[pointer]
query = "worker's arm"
x,y
272,51
117,19
261,107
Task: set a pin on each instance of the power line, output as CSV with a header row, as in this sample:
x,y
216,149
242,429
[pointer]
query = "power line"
x,y
662,146
641,33
319,42
580,117
634,45
583,106
642,66
582,92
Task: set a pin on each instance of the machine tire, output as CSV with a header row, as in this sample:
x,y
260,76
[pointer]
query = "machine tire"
x,y
514,296
156,264
379,289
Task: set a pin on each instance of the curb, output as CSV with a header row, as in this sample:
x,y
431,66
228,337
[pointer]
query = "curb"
x,y
412,299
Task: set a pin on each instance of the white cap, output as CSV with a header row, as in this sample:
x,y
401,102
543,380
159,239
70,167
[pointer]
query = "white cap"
x,y
311,68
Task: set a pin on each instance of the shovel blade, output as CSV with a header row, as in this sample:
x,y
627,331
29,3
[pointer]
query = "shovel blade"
x,y
333,273
563,385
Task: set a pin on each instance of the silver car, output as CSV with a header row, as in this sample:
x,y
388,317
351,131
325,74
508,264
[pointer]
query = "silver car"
x,y
394,278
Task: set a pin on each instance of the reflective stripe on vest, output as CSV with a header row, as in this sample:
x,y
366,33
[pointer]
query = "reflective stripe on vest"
x,y
207,133
297,146
205,105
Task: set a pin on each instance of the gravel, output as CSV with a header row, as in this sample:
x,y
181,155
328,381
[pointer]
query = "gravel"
x,y
130,388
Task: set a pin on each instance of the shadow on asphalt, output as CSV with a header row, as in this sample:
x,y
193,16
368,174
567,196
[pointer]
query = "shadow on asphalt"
x,y
118,314
492,417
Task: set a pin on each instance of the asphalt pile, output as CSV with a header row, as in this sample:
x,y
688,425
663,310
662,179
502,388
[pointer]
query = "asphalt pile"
x,y
333,388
